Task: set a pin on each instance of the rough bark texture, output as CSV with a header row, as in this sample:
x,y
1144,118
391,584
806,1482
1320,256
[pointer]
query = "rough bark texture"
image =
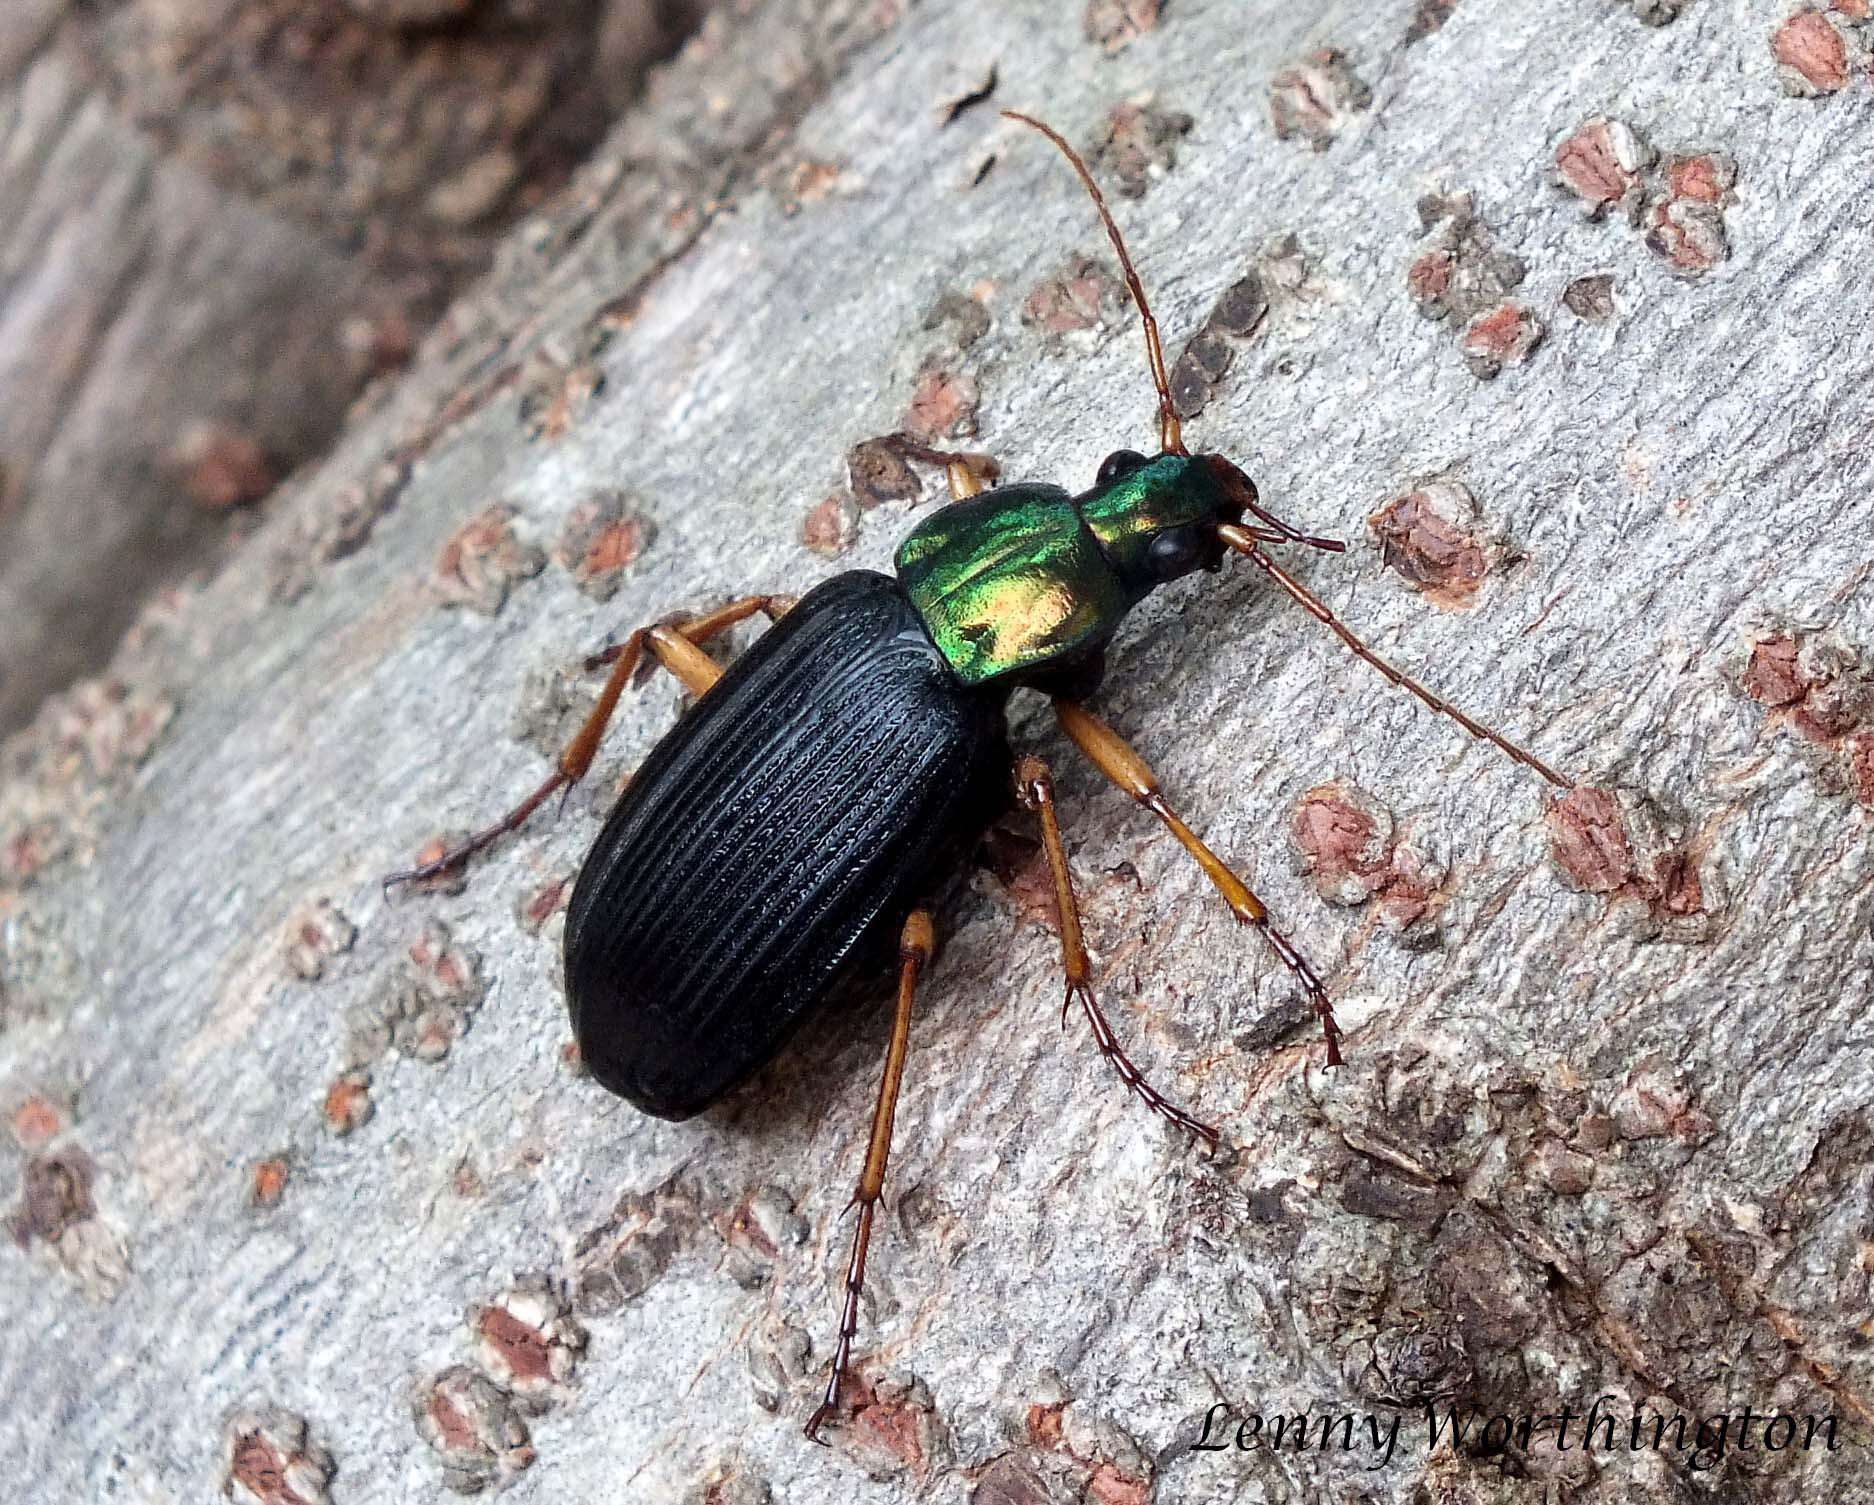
x,y
221,219
1607,1117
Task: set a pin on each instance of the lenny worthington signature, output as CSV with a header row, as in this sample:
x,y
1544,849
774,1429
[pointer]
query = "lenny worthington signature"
x,y
1603,1427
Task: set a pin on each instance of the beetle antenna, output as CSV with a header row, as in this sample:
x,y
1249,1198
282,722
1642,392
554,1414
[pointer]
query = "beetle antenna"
x,y
1247,542
1170,431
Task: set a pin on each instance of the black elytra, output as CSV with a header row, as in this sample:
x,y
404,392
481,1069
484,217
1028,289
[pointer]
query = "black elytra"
x,y
772,843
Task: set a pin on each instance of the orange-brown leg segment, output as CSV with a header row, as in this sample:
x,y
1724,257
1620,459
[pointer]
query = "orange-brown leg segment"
x,y
676,646
914,949
1034,786
1248,542
967,471
1120,762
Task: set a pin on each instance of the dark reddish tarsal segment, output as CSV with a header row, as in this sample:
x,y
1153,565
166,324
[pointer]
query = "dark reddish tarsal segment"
x,y
1034,786
1114,757
915,944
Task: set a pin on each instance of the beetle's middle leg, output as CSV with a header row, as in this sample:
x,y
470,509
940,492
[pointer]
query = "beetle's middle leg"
x,y
1034,786
1120,762
914,949
676,645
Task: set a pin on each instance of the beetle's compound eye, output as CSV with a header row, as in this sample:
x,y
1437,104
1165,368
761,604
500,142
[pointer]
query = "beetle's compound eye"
x,y
1175,552
1117,466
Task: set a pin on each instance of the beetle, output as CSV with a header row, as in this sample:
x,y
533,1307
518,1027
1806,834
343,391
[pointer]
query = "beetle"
x,y
788,829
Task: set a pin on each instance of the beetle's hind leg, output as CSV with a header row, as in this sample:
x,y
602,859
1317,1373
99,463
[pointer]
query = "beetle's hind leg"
x,y
676,645
1034,786
914,950
1117,759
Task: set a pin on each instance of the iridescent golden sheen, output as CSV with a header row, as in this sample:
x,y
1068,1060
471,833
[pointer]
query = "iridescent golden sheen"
x,y
1010,580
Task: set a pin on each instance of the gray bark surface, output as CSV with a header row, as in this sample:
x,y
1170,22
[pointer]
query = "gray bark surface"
x,y
222,218
1606,1119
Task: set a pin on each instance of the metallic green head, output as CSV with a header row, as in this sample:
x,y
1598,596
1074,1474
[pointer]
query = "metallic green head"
x,y
1156,520
1025,582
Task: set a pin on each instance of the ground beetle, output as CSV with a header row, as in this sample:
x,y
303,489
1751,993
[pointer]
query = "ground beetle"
x,y
792,823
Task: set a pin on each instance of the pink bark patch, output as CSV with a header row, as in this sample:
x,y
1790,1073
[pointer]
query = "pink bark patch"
x,y
1504,336
1601,163
943,405
1428,536
1814,50
1349,852
1860,750
522,1349
1772,676
1588,838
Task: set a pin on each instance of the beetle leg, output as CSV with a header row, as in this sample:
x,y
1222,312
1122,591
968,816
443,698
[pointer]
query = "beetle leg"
x,y
1120,762
674,645
697,630
967,471
914,949
1034,785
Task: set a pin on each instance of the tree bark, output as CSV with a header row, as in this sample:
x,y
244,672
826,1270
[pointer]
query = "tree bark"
x,y
222,218
1557,316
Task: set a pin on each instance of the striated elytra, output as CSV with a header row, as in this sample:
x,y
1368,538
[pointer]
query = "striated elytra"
x,y
773,840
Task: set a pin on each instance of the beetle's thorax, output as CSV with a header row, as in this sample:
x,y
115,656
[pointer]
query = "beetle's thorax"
x,y
1025,581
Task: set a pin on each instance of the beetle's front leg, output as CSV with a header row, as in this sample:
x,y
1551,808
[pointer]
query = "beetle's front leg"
x,y
676,645
968,472
914,950
1120,762
1034,786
